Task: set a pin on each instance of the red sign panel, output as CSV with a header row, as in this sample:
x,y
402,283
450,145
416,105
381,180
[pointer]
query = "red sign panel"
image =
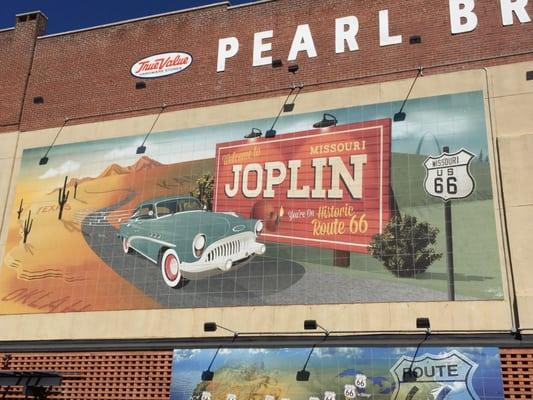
x,y
324,187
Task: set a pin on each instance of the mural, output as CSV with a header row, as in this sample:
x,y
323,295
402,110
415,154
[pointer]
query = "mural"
x,y
351,213
337,373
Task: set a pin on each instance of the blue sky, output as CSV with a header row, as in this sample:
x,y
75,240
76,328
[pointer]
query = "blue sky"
x,y
66,15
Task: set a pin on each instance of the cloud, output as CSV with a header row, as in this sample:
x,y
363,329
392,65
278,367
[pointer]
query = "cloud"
x,y
120,153
185,354
257,351
224,351
63,169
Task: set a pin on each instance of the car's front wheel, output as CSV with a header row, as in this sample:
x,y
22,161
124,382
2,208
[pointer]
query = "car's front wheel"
x,y
170,268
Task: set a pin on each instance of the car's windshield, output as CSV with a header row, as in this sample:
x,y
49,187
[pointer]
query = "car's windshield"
x,y
146,211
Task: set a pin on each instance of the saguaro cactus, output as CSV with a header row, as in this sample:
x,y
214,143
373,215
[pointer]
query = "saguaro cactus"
x,y
19,211
28,223
62,197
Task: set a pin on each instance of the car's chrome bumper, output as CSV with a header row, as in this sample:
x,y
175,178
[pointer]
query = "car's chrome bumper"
x,y
224,255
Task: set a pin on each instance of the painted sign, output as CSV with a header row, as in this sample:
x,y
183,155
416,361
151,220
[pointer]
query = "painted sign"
x,y
204,219
448,175
327,188
338,373
162,64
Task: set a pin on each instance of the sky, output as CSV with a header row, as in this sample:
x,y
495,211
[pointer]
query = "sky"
x,y
66,15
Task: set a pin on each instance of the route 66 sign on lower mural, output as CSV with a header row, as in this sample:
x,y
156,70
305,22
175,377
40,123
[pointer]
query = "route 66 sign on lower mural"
x,y
448,175
447,375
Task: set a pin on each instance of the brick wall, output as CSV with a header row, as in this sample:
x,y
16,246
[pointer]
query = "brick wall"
x,y
87,73
16,56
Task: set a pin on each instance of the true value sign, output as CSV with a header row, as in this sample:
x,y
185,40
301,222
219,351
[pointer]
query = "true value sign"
x,y
328,187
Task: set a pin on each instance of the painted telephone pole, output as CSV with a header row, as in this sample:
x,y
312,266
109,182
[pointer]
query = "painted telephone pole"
x,y
449,242
448,177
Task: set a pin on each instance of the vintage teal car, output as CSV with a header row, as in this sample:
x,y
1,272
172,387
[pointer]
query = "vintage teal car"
x,y
187,241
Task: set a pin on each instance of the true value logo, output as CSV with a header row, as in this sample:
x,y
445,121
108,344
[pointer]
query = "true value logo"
x,y
162,64
441,376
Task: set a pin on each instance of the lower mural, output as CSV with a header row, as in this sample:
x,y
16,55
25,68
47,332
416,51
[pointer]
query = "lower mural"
x,y
340,206
337,373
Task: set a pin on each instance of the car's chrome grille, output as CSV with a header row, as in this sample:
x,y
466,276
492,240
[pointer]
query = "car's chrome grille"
x,y
226,250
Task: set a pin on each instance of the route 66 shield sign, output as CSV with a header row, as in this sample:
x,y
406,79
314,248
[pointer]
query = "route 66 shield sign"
x,y
448,175
441,376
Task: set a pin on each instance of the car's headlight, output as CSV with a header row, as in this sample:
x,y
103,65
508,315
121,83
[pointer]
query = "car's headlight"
x,y
259,227
198,245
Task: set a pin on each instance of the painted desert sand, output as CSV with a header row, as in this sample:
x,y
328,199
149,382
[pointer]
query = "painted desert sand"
x,y
56,270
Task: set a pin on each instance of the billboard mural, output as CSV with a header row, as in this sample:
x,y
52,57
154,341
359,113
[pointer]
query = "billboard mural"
x,y
337,373
351,213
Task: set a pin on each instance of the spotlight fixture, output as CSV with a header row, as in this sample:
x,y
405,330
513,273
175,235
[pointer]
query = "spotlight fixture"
x,y
416,39
327,121
311,324
303,374
423,323
38,100
44,159
400,115
255,132
277,63
293,68
142,148
287,106
213,326
208,375
140,85
408,374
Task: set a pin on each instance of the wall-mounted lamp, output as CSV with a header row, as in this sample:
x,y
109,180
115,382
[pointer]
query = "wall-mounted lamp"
x,y
327,121
293,68
421,323
44,159
140,85
255,132
142,148
213,326
303,374
400,115
277,63
415,39
288,106
38,100
311,325
208,375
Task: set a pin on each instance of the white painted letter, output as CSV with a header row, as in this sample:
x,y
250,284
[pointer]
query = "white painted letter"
x,y
318,191
227,48
384,34
231,192
303,41
272,180
353,183
346,30
294,192
260,48
246,191
459,10
518,7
